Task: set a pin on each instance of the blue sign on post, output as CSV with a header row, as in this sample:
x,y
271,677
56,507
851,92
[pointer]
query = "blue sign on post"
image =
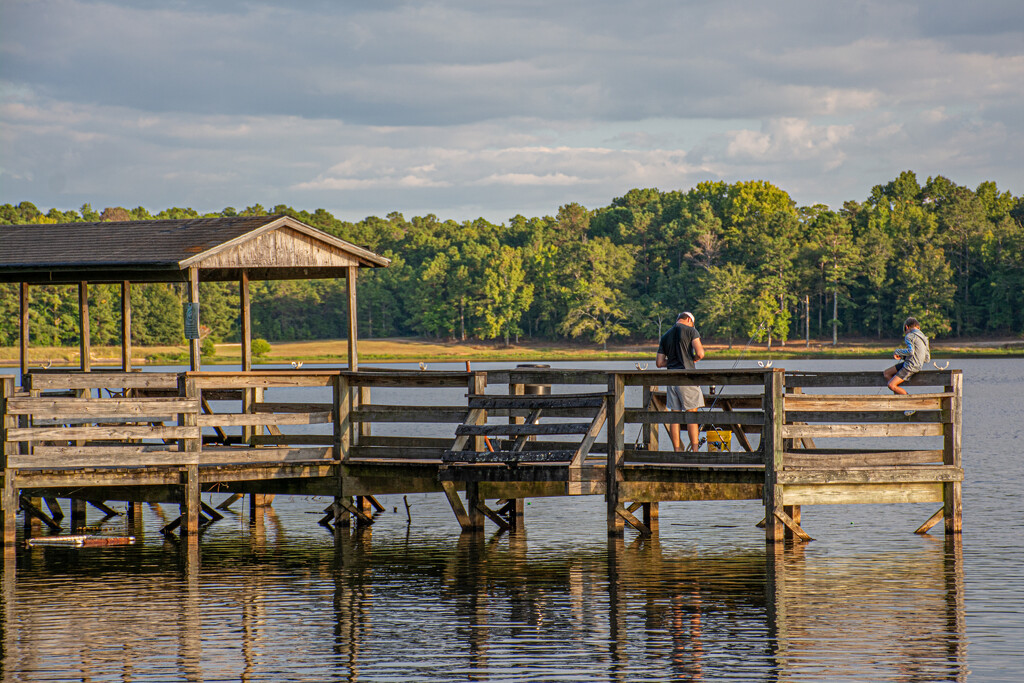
x,y
191,317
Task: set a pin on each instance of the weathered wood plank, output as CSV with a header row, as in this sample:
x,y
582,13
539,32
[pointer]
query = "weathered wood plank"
x,y
292,439
930,378
705,459
84,457
45,381
859,430
862,403
429,414
405,452
693,377
258,419
224,456
869,417
426,378
112,432
47,407
523,429
871,475
702,417
507,456
262,379
850,494
406,441
277,407
800,458
545,401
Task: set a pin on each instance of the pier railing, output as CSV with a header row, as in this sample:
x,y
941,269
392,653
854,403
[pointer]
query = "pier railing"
x,y
796,438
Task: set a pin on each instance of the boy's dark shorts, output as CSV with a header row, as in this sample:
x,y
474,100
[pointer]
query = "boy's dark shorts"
x,y
902,372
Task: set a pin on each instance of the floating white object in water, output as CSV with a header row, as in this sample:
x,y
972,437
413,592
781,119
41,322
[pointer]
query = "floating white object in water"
x,y
81,540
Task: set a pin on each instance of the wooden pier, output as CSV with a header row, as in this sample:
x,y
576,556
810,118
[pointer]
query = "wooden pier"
x,y
798,439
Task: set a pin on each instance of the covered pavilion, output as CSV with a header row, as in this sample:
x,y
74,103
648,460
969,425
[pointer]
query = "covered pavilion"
x,y
235,248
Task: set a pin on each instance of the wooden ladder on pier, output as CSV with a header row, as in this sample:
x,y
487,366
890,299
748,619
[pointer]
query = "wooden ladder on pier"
x,y
479,443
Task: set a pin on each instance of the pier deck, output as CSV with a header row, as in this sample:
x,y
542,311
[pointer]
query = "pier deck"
x,y
798,438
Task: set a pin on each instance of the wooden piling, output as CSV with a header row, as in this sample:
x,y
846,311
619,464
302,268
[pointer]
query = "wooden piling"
x,y
772,447
951,455
616,452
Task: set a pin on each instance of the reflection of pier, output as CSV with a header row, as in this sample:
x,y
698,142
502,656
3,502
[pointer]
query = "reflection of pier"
x,y
170,437
637,608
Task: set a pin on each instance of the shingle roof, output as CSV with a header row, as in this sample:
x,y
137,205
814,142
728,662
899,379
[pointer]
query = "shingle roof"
x,y
143,245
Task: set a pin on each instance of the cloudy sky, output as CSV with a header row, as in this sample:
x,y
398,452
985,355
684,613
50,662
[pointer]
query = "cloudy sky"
x,y
468,108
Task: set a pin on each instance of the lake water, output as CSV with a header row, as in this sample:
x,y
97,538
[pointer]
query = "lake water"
x,y
410,600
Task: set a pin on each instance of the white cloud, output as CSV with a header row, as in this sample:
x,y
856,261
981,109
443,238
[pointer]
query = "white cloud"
x,y
465,108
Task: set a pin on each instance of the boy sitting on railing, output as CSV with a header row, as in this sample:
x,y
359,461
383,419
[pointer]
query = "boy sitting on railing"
x,y
912,356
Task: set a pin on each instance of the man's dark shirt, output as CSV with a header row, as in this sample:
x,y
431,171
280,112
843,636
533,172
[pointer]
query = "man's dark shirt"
x,y
677,346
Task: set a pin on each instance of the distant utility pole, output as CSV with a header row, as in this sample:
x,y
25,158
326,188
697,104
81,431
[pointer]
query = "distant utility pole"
x,y
807,320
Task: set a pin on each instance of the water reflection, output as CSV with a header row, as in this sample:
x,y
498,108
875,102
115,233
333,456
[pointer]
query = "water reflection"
x,y
480,608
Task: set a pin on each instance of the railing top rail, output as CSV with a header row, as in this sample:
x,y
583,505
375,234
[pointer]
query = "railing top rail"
x,y
270,372
747,377
409,378
101,380
840,379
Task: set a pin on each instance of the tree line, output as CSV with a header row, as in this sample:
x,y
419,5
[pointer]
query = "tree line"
x,y
743,256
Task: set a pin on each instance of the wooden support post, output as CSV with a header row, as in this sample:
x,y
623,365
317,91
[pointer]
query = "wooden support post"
x,y
650,432
939,515
952,502
793,511
104,508
342,515
126,326
53,505
190,505
517,514
616,452
245,319
78,514
245,313
33,510
363,401
478,386
23,337
133,515
342,444
194,354
473,503
771,445
229,501
84,345
350,290
10,502
456,503
210,513
651,516
9,495
628,516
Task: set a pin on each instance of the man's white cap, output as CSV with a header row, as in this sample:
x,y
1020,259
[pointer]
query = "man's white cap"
x,y
686,314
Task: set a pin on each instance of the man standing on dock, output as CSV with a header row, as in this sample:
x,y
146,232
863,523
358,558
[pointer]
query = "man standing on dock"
x,y
680,349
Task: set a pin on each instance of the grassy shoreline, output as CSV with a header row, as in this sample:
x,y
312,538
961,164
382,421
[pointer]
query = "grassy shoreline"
x,y
413,350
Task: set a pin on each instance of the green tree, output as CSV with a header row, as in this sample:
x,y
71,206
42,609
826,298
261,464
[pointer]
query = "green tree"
x,y
507,295
726,301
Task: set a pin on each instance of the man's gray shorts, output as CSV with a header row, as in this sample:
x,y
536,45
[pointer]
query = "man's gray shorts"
x,y
684,398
